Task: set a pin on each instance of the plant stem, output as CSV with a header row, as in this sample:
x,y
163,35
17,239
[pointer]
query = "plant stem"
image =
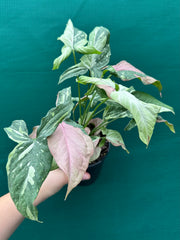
x,y
90,117
87,108
101,125
79,90
98,112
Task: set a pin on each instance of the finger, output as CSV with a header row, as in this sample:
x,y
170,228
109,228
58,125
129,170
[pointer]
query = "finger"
x,y
86,176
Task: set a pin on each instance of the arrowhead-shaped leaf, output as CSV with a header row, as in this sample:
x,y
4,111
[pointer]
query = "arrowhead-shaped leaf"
x,y
114,137
17,131
27,167
74,71
99,39
56,115
65,53
125,71
145,97
76,40
145,114
71,149
73,37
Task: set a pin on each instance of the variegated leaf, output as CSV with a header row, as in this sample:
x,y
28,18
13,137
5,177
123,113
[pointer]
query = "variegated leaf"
x,y
114,111
106,84
131,124
74,71
27,167
71,149
145,97
169,125
87,50
145,114
56,115
114,137
125,71
76,40
65,53
73,37
64,96
17,131
98,38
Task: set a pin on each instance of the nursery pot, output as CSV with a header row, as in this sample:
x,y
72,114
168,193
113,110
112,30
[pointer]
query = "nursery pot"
x,y
95,167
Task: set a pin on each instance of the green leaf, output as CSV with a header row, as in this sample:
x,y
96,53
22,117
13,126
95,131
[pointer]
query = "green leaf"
x,y
87,50
169,125
150,99
53,165
97,81
145,114
27,167
65,53
64,96
114,137
130,125
56,115
73,37
125,71
76,40
106,84
114,111
17,131
98,38
74,71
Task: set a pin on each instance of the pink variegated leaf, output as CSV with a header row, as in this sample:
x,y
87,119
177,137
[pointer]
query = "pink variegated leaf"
x,y
71,149
125,71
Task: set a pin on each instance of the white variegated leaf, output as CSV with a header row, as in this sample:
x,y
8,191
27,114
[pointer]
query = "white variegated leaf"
x,y
114,137
98,38
17,131
65,53
27,167
73,71
64,96
145,97
145,114
55,116
73,37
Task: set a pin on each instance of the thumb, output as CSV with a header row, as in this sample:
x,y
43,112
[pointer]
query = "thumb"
x,y
86,176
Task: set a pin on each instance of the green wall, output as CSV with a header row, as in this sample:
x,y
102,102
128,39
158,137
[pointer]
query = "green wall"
x,y
137,195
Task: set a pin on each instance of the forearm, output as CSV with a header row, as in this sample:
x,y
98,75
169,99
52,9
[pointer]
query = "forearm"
x,y
11,218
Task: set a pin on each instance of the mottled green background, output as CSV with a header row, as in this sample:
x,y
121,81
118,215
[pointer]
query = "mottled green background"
x,y
137,196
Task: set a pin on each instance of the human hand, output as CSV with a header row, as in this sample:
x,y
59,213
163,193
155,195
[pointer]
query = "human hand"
x,y
55,180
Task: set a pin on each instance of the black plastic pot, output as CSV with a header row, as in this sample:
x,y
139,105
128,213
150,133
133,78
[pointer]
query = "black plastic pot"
x,y
95,168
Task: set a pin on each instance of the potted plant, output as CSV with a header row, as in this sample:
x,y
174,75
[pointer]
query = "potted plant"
x,y
69,142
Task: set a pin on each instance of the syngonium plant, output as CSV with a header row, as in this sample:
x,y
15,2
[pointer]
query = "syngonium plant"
x,y
66,141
